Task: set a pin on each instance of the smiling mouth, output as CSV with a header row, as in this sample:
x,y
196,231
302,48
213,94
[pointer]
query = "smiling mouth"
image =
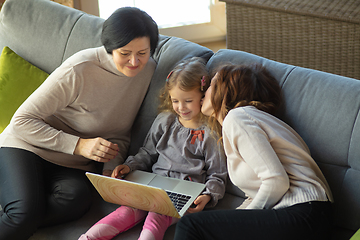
x,y
132,68
184,114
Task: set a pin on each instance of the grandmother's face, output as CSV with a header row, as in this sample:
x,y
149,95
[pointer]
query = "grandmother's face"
x,y
207,108
132,58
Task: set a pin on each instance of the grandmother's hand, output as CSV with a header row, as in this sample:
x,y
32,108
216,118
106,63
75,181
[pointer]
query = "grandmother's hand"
x,y
97,149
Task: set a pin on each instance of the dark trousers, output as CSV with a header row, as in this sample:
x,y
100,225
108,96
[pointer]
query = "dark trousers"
x,y
35,193
305,221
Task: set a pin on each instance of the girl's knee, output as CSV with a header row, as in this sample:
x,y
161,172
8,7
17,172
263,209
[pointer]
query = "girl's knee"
x,y
131,213
155,225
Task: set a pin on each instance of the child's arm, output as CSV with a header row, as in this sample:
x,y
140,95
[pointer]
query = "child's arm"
x,y
148,154
216,170
200,203
120,170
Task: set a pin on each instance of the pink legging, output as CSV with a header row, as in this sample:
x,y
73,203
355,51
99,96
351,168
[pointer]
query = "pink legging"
x,y
125,218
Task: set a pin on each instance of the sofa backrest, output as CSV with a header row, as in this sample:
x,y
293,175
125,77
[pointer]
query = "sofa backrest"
x,y
324,109
44,34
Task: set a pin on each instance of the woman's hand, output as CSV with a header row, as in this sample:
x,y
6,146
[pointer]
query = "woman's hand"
x,y
120,170
97,149
200,203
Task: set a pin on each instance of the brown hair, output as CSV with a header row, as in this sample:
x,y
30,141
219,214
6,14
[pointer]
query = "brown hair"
x,y
238,86
187,75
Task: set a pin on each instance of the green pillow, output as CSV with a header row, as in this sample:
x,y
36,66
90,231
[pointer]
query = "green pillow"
x,y
356,236
18,79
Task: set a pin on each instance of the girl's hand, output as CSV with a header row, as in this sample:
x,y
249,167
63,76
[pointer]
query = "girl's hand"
x,y
120,170
200,203
97,149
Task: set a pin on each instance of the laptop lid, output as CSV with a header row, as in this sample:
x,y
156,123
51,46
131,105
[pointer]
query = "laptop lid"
x,y
134,191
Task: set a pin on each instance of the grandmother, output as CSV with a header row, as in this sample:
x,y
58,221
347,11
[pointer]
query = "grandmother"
x,y
78,120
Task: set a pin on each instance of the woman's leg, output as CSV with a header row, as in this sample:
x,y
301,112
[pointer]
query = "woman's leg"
x,y
68,194
34,193
302,221
155,226
120,220
21,193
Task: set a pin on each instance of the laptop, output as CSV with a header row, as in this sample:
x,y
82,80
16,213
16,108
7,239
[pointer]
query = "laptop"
x,y
148,191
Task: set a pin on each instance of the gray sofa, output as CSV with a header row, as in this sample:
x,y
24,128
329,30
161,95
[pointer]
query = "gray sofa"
x,y
323,108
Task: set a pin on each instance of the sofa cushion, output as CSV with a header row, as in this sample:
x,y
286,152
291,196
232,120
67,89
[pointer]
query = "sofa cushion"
x,y
18,79
86,25
44,39
356,236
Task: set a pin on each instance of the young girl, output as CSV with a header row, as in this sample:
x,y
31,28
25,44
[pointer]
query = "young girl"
x,y
178,145
288,196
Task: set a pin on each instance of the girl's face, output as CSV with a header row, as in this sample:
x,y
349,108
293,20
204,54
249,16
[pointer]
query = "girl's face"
x,y
187,105
207,108
132,58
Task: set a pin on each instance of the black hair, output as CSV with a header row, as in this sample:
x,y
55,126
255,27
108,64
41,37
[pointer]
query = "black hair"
x,y
126,24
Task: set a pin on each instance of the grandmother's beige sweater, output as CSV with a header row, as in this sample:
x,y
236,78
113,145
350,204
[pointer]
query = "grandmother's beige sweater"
x,y
269,161
86,97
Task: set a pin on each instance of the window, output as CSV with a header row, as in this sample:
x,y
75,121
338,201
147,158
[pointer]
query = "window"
x,y
170,14
194,20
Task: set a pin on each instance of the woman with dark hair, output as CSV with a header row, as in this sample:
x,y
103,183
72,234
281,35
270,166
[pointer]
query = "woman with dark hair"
x,y
79,117
288,196
118,31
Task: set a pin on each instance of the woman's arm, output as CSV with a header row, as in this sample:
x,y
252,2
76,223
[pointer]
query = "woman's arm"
x,y
29,124
30,121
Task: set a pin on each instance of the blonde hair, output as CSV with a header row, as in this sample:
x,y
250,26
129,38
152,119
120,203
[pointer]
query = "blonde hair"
x,y
188,75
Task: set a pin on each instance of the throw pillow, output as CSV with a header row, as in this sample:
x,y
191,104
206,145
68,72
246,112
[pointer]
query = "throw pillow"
x,y
356,236
18,79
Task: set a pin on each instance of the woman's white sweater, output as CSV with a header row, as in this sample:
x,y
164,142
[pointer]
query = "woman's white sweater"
x,y
269,161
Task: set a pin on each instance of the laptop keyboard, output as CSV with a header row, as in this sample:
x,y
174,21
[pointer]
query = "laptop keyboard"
x,y
179,200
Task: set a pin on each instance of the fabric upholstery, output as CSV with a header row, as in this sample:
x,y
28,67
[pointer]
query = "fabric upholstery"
x,y
43,31
86,25
322,107
18,79
356,236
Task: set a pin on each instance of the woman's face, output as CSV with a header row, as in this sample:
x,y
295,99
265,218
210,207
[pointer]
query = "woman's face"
x,y
132,58
207,108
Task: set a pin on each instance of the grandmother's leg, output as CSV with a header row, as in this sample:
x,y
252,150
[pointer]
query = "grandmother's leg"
x,y
21,193
311,221
68,194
